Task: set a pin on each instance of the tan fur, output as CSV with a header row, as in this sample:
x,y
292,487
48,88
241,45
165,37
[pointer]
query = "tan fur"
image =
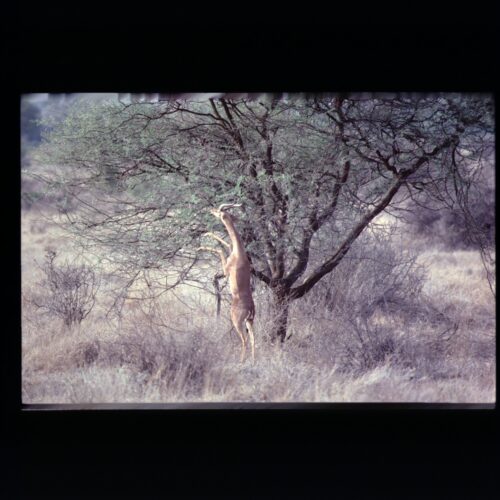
x,y
237,268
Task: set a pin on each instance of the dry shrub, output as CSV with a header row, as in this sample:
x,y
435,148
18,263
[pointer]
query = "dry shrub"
x,y
86,353
159,356
352,319
372,311
366,346
174,360
67,291
457,226
375,274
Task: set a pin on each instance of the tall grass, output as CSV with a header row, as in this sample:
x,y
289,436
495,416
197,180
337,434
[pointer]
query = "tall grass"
x,y
385,326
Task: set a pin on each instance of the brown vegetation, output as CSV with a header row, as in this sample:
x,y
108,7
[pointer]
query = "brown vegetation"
x,y
387,326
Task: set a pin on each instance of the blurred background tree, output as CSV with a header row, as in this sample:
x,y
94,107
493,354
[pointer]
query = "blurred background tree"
x,y
30,128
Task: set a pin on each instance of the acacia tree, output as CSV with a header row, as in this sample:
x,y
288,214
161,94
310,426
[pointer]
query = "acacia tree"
x,y
306,171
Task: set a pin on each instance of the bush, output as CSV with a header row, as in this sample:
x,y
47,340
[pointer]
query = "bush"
x,y
354,316
374,275
70,290
459,228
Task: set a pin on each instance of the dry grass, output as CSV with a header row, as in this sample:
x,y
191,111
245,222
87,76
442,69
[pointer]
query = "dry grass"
x,y
437,349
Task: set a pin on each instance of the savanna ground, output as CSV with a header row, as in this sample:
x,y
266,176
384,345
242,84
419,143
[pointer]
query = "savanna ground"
x,y
377,330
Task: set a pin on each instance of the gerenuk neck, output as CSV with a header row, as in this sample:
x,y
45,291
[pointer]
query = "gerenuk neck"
x,y
236,241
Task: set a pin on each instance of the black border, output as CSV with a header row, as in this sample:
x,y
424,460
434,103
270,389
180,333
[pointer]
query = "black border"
x,y
83,453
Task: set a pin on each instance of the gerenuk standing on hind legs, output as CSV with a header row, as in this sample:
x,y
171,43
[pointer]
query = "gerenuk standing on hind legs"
x,y
237,268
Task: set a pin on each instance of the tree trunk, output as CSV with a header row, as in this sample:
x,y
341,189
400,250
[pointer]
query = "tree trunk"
x,y
281,306
215,282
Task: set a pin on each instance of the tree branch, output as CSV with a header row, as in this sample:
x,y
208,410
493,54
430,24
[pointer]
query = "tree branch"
x,y
315,224
335,259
